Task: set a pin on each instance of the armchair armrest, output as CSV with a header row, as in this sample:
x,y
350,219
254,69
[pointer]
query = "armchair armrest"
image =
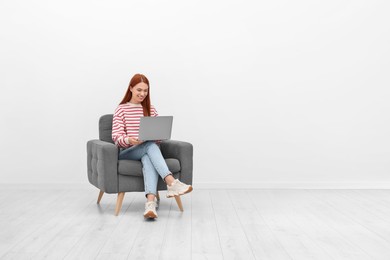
x,y
182,151
102,161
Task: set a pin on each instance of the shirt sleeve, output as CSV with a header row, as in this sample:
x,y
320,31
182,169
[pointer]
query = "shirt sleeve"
x,y
119,129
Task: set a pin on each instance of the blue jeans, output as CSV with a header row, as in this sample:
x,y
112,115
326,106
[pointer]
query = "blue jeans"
x,y
153,163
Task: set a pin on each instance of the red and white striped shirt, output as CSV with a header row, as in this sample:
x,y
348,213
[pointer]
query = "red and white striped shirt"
x,y
126,121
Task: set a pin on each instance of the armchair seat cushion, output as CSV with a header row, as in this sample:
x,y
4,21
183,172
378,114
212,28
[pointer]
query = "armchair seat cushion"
x,y
134,168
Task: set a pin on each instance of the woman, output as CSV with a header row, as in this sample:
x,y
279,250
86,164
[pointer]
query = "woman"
x,y
125,127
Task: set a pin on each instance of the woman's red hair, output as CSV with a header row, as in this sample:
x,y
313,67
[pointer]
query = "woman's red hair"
x,y
138,78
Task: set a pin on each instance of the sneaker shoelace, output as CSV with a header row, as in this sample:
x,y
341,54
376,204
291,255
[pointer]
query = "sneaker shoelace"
x,y
179,183
150,206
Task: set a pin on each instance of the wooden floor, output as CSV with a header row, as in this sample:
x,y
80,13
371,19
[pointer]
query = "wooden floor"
x,y
215,224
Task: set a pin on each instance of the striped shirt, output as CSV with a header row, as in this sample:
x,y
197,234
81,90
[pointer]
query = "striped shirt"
x,y
126,121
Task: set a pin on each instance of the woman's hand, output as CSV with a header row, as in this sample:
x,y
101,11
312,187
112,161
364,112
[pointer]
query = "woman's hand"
x,y
134,141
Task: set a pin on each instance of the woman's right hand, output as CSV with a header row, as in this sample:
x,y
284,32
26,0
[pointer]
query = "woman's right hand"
x,y
133,141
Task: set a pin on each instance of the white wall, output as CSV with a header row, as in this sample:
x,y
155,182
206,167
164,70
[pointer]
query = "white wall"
x,y
270,93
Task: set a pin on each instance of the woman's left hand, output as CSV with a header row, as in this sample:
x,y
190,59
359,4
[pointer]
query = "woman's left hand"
x,y
134,141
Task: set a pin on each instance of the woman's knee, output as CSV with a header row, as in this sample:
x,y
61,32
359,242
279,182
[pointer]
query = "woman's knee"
x,y
151,145
145,159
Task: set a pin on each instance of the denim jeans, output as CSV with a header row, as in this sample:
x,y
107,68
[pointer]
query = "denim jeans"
x,y
153,163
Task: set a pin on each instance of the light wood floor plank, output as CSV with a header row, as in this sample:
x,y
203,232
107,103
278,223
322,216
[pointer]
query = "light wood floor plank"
x,y
59,223
111,256
177,235
71,230
10,198
150,237
379,195
140,235
124,235
379,200
233,240
205,239
60,212
263,241
296,205
96,235
25,202
295,241
371,215
349,225
30,217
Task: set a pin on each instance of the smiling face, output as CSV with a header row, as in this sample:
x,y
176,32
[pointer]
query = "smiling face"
x,y
139,92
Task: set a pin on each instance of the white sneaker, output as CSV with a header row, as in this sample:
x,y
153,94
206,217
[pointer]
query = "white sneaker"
x,y
150,209
178,188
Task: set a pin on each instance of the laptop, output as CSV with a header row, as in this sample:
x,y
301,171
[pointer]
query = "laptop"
x,y
155,128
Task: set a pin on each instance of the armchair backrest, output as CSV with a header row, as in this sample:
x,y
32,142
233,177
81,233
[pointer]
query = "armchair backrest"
x,y
105,128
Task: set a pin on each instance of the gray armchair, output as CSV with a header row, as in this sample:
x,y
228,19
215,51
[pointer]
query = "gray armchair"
x,y
111,175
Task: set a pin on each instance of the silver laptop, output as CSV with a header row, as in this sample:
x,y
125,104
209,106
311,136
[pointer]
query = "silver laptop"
x,y
155,128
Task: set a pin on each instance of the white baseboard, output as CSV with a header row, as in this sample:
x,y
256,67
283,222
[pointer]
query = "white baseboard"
x,y
292,185
46,186
218,185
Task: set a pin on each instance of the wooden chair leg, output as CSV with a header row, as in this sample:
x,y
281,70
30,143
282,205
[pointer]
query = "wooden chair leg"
x,y
100,196
178,201
119,201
